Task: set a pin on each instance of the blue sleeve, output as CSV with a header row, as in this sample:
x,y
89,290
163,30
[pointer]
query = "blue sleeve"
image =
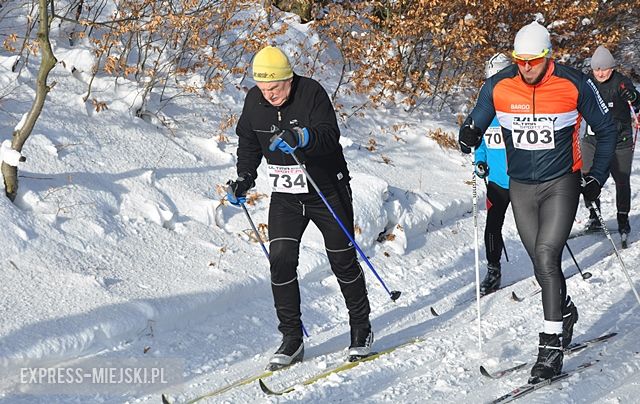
x,y
484,111
481,152
595,112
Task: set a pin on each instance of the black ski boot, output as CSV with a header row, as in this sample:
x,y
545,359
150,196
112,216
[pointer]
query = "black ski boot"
x,y
569,318
361,341
593,223
550,356
491,281
623,228
291,351
623,223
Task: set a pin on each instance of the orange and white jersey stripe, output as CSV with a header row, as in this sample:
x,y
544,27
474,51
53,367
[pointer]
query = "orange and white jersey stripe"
x,y
540,122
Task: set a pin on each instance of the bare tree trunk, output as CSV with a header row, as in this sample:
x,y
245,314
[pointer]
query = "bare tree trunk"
x,y
10,173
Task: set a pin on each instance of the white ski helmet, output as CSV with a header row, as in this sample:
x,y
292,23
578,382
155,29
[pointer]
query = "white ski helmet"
x,y
497,62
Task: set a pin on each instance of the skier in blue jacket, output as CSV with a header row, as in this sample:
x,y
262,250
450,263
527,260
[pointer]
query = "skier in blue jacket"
x,y
491,165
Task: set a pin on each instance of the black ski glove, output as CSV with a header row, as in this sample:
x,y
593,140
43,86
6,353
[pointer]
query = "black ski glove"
x,y
237,190
469,137
482,169
590,189
628,94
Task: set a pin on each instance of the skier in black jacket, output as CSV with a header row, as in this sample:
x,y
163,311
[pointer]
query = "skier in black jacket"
x,y
618,92
299,111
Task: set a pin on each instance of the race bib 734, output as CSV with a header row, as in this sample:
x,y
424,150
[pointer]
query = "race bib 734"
x,y
287,179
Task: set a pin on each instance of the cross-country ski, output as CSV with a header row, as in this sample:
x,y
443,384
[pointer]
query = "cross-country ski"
x,y
528,388
573,347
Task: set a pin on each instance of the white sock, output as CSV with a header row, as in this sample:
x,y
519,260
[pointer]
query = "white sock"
x,y
552,327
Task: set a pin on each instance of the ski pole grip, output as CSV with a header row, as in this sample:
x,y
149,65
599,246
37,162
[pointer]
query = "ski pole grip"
x,y
275,139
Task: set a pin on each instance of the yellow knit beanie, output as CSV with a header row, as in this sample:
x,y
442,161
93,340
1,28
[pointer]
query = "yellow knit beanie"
x,y
271,64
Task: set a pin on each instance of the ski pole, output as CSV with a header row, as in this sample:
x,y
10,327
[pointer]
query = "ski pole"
x,y
504,248
395,294
255,230
635,117
585,275
615,250
636,121
476,252
264,249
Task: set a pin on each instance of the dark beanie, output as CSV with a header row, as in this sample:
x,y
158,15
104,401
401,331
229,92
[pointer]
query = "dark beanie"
x,y
602,59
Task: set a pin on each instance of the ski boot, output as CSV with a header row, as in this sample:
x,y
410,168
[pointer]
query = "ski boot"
x,y
569,318
593,223
291,351
623,228
491,281
550,356
361,341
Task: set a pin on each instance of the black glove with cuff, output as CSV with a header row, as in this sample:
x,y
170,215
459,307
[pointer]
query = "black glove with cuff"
x,y
482,169
628,94
237,190
469,137
590,189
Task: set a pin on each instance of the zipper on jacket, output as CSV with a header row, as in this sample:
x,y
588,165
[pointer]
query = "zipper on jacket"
x,y
534,103
533,159
283,157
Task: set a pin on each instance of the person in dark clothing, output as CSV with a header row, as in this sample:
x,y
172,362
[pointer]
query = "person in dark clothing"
x,y
540,105
298,111
619,94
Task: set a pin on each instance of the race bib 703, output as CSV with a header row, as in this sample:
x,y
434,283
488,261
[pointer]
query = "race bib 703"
x,y
533,135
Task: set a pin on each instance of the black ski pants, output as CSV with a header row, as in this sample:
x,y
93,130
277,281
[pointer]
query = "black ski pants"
x,y
289,216
620,171
497,204
544,214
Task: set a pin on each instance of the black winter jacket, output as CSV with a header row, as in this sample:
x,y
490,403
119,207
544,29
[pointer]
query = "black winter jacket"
x,y
308,106
619,107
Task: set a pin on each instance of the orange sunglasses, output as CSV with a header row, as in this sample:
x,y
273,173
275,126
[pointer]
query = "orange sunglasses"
x,y
532,61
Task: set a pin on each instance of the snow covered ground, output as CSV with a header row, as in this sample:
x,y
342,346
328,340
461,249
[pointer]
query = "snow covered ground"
x,y
118,247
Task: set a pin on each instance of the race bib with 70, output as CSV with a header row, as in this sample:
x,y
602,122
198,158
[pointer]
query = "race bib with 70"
x,y
287,179
493,138
533,135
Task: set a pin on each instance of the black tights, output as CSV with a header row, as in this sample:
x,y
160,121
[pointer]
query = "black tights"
x,y
544,214
497,204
